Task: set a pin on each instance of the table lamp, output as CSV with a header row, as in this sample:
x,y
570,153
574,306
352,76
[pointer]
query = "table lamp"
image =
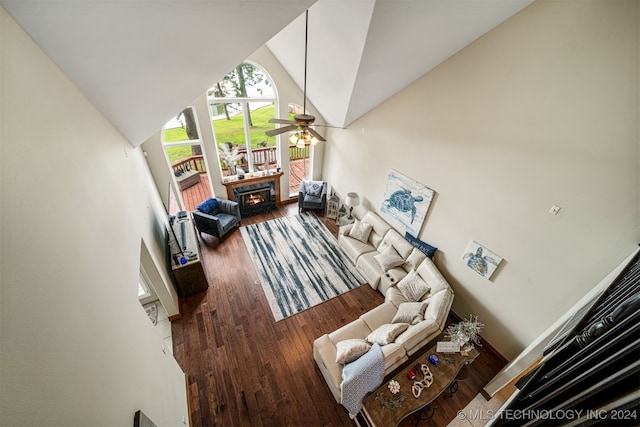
x,y
353,200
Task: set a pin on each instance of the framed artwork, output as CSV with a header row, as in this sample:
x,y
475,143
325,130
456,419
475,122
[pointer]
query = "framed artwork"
x,y
406,202
481,260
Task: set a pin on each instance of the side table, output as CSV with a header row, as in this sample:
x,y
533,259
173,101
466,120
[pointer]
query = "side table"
x,y
344,220
384,409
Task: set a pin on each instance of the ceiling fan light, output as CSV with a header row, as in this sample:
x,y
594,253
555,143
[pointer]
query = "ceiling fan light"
x,y
301,143
314,141
306,136
293,138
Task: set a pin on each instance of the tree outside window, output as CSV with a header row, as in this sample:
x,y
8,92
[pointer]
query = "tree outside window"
x,y
241,105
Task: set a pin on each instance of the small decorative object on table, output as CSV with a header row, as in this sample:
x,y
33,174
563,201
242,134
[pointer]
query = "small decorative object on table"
x,y
412,373
394,403
353,201
332,207
434,359
426,382
342,213
466,333
394,386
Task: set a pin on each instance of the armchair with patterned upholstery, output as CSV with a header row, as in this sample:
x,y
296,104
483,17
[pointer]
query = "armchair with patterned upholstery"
x,y
312,195
216,217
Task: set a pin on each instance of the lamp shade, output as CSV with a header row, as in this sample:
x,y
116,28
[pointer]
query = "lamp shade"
x,y
353,200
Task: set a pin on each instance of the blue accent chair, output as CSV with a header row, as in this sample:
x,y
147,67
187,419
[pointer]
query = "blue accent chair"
x,y
308,200
217,217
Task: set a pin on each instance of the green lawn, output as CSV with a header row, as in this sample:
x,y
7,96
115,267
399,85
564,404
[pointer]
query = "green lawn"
x,y
228,131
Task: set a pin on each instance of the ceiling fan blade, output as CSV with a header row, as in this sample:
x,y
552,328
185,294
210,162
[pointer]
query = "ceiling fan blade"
x,y
278,131
282,121
329,126
316,134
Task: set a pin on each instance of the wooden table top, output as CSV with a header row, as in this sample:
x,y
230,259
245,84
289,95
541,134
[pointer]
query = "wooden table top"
x,y
384,409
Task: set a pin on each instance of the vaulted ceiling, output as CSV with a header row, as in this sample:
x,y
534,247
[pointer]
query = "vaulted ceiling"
x,y
141,61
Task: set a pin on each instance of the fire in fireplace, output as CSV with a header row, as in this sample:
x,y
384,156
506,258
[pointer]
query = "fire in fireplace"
x,y
255,199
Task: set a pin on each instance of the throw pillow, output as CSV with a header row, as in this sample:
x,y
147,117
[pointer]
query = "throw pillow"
x,y
413,287
208,206
426,248
314,188
387,333
350,350
389,258
360,231
410,312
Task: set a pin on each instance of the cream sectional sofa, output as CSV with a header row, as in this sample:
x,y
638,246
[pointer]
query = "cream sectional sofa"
x,y
438,300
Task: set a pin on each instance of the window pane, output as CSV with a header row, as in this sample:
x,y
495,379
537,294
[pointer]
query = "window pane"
x,y
263,147
183,127
228,128
261,113
253,84
228,124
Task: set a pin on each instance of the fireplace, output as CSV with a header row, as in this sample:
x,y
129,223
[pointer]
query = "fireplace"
x,y
255,199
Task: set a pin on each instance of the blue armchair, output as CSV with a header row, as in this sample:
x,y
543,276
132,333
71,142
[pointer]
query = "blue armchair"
x,y
216,217
312,195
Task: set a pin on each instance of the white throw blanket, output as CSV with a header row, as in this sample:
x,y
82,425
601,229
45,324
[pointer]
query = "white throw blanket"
x,y
360,377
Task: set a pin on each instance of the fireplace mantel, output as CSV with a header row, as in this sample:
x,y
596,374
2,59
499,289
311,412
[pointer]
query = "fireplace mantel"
x,y
274,177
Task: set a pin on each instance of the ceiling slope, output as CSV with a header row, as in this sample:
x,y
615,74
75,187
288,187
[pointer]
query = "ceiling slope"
x,y
140,62
337,38
361,52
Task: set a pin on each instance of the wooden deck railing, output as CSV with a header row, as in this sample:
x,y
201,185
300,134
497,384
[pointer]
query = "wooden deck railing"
x,y
261,157
195,163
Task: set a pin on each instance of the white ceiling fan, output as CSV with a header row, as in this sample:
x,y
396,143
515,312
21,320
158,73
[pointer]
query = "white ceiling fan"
x,y
301,123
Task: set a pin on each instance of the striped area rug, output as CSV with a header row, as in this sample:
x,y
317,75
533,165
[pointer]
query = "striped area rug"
x,y
299,263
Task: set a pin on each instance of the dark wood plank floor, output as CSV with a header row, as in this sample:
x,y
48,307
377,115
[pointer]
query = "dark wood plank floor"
x,y
245,369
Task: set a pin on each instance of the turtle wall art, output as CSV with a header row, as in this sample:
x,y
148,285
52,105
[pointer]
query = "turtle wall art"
x,y
481,260
406,202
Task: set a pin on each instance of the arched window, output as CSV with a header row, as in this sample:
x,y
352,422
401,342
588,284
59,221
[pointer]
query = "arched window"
x,y
241,105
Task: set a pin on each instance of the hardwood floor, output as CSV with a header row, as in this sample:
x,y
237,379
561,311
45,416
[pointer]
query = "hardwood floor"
x,y
245,369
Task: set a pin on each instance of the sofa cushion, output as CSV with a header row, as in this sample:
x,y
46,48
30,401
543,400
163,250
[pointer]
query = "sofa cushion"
x,y
395,239
387,333
414,259
379,315
354,248
438,308
413,287
360,231
416,334
380,228
430,274
395,297
356,329
424,247
389,258
226,221
394,354
208,206
351,349
391,278
410,312
369,268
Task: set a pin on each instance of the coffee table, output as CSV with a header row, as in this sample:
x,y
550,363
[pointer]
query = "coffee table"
x,y
384,409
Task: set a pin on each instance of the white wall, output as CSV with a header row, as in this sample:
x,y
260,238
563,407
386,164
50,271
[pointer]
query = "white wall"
x,y
542,110
77,200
